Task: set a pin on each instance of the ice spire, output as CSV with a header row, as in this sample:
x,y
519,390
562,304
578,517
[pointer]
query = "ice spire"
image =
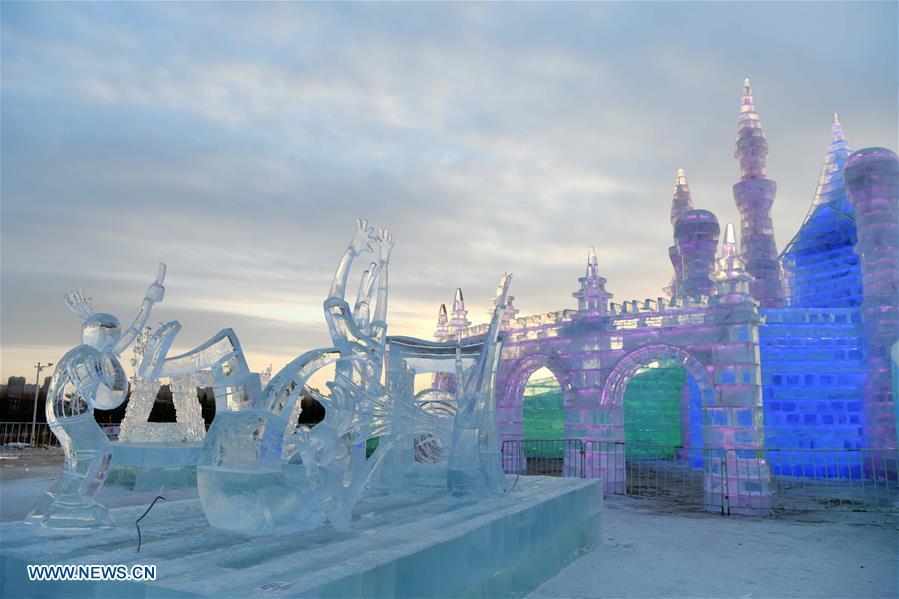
x,y
730,275
832,170
752,147
593,299
819,262
460,314
442,321
592,263
754,195
730,255
682,200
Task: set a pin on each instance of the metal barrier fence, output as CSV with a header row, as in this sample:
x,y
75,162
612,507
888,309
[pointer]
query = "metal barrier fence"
x,y
722,480
688,475
817,479
16,436
547,457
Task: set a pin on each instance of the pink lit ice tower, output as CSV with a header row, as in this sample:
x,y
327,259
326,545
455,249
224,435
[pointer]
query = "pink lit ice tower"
x,y
872,179
754,195
681,202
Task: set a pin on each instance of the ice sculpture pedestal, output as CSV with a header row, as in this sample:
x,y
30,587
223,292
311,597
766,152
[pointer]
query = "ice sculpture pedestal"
x,y
427,544
154,466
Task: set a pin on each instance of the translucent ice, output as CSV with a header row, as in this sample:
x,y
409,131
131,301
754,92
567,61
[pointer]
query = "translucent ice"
x,y
87,376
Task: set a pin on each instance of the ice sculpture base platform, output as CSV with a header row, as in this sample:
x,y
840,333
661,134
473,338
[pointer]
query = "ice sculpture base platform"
x,y
422,545
154,466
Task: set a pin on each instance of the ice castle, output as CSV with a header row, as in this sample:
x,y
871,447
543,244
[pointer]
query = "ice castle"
x,y
750,350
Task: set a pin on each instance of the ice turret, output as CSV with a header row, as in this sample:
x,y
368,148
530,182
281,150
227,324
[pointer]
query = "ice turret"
x,y
442,333
696,235
754,195
872,179
820,264
459,320
592,297
681,202
731,279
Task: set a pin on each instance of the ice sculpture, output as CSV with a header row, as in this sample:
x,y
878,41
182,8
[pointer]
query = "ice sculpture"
x,y
218,363
88,376
434,429
263,472
475,465
260,471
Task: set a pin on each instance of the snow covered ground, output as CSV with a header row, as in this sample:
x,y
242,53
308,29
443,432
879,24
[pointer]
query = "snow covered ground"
x,y
649,549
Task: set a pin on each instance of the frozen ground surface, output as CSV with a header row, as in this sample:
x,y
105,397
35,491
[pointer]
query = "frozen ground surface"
x,y
650,549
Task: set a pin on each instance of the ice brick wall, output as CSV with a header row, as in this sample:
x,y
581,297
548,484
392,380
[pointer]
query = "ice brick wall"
x,y
813,375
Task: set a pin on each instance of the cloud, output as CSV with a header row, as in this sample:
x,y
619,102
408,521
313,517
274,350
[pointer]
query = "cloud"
x,y
237,142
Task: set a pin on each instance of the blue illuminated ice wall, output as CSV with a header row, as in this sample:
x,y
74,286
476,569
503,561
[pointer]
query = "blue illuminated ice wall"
x,y
812,351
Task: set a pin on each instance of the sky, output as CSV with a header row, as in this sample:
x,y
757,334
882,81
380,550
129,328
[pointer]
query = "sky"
x,y
239,142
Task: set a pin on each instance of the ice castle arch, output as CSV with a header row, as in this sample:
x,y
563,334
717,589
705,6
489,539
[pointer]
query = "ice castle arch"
x,y
612,396
788,350
512,393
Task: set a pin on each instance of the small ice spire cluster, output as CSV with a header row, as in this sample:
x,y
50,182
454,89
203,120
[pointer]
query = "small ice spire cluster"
x,y
682,200
442,332
731,279
592,297
459,320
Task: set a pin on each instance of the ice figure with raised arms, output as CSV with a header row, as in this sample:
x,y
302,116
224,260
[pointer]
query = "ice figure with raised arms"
x,y
88,376
260,470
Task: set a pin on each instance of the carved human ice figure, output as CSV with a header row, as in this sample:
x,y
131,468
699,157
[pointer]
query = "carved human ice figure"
x,y
475,466
88,376
333,452
361,332
260,471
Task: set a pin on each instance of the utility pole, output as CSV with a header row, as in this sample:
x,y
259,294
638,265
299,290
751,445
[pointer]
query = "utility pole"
x,y
37,390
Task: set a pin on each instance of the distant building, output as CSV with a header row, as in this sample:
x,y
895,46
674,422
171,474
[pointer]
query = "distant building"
x,y
15,386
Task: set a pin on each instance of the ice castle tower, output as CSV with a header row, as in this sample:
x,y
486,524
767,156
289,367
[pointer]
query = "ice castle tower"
x,y
822,268
754,194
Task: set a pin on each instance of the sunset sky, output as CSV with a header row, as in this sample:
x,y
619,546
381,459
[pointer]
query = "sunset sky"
x,y
238,143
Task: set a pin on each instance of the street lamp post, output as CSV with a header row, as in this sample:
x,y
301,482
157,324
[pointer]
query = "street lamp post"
x,y
37,390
